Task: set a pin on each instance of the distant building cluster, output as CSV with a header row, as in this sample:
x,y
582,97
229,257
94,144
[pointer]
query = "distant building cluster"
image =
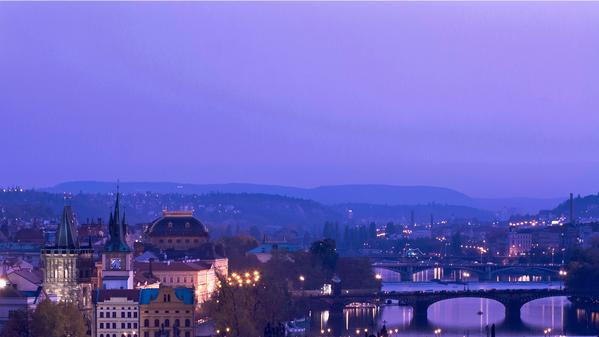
x,y
125,287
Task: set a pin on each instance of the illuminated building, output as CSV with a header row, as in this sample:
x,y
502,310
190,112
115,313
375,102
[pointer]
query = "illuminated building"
x,y
116,313
166,311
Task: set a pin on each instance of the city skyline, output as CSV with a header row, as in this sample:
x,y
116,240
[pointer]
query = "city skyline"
x,y
490,99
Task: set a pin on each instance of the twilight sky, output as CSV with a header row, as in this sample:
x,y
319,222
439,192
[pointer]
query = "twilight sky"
x,y
492,99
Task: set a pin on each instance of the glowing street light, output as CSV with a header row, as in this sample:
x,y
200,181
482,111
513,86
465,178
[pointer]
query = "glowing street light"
x,y
3,283
378,276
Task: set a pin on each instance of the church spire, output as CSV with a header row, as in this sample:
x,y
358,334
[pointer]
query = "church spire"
x,y
117,229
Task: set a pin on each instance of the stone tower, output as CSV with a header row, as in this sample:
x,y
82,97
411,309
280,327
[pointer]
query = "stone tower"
x,y
61,261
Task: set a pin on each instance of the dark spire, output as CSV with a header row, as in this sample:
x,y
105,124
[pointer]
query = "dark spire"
x,y
117,230
66,233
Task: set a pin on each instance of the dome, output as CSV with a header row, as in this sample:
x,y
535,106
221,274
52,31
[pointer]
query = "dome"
x,y
177,223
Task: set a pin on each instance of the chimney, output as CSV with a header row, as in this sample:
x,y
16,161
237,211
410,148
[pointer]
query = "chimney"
x,y
151,260
571,208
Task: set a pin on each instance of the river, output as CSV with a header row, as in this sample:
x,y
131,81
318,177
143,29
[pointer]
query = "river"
x,y
460,316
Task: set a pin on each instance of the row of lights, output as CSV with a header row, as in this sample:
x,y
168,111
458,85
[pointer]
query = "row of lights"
x,y
243,279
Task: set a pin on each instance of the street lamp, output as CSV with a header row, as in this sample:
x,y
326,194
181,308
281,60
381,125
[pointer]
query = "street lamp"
x,y
437,332
562,274
357,331
547,331
3,283
378,276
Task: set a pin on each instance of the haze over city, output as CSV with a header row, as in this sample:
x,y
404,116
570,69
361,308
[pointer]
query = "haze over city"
x,y
490,99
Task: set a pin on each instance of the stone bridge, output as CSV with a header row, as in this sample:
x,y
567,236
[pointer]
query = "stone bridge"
x,y
512,300
484,272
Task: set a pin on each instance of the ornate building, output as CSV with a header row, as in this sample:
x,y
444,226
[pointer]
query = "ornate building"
x,y
176,230
67,266
117,258
166,311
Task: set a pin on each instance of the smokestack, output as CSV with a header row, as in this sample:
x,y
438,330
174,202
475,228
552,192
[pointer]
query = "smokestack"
x,y
571,208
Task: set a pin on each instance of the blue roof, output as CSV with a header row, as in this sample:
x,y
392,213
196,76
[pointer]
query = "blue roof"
x,y
148,295
269,247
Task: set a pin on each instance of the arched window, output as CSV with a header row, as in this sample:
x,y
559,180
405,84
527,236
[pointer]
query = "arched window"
x,y
167,322
187,323
146,323
156,323
101,335
177,323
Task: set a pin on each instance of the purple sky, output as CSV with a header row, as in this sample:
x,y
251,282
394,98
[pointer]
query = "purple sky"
x,y
492,99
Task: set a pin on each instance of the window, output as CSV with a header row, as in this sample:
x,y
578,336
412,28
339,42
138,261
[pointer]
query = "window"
x,y
161,241
178,279
135,314
129,314
186,240
178,240
122,314
123,325
156,323
114,314
177,323
184,279
187,334
128,325
101,314
114,327
146,334
170,241
167,322
187,323
134,325
146,323
101,335
101,325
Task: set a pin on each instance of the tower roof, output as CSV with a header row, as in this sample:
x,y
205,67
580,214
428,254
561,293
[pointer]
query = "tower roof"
x,y
66,234
117,228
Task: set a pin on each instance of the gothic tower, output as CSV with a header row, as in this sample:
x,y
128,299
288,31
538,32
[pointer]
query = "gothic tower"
x,y
61,274
117,271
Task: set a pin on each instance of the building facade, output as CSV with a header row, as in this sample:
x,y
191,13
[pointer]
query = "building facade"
x,y
519,243
199,275
166,311
116,313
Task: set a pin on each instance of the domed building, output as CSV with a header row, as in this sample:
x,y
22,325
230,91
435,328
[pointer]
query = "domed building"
x,y
176,230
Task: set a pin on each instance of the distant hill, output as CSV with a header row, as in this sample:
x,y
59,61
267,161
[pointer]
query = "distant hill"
x,y
586,207
334,194
329,195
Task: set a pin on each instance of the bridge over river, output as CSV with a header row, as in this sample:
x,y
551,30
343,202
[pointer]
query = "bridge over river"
x,y
511,299
484,272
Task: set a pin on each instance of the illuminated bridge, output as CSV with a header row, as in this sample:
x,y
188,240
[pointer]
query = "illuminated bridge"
x,y
512,300
484,272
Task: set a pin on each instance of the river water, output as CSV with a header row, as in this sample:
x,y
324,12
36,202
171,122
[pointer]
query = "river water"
x,y
460,316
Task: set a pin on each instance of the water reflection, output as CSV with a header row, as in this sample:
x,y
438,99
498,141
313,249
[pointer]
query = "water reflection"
x,y
459,317
460,314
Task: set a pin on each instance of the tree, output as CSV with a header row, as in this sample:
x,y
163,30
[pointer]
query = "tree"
x,y
57,320
583,269
17,324
324,251
247,309
390,229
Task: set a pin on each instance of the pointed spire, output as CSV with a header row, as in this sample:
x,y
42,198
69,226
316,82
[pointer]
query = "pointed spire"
x,y
66,233
117,228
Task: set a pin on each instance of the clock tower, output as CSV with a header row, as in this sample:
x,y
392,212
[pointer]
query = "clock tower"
x,y
117,271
